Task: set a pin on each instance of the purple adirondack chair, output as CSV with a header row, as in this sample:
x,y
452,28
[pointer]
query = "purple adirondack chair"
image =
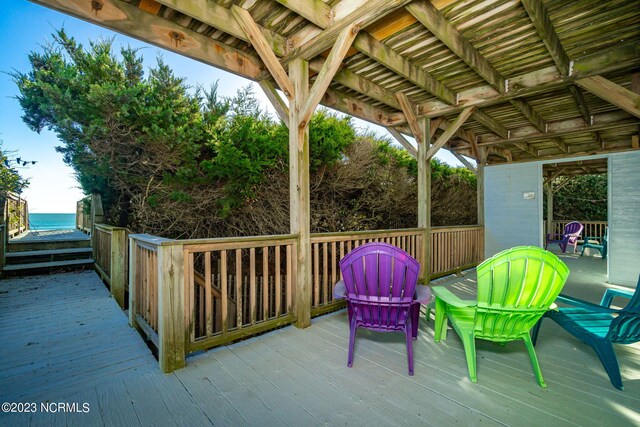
x,y
570,236
379,284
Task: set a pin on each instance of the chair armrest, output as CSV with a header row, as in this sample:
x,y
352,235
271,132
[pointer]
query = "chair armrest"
x,y
339,290
584,304
598,238
445,294
423,294
607,298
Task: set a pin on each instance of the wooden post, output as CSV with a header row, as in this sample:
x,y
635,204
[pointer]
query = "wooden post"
x,y
482,154
549,207
299,190
132,283
424,196
118,264
97,215
172,330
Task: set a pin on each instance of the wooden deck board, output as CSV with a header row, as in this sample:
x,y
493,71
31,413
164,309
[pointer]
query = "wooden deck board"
x,y
62,338
49,236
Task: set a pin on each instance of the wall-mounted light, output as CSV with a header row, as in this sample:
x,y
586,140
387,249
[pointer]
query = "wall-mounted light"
x,y
528,195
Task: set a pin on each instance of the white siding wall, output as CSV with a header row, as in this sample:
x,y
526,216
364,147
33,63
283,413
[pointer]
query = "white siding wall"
x,y
624,218
510,219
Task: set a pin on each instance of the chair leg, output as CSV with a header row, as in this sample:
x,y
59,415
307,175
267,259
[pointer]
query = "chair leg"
x,y
415,318
534,360
353,328
535,330
469,343
409,339
441,321
606,354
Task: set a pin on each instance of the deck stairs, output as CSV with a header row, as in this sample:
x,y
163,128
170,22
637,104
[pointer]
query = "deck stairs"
x,y
45,253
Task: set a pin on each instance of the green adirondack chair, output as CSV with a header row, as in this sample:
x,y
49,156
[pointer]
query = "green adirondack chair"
x,y
515,288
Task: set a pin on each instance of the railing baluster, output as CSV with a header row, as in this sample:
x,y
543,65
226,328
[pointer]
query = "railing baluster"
x,y
223,289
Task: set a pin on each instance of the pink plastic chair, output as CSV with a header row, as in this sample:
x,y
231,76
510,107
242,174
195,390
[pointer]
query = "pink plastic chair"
x,y
379,285
570,236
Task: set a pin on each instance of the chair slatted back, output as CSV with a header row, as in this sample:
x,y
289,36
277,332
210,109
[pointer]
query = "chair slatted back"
x,y
625,328
380,280
515,288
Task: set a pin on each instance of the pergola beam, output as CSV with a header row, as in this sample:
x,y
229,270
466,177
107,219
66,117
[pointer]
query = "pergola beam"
x,y
315,44
429,16
221,18
622,56
561,128
613,93
526,148
490,123
315,11
578,97
448,133
264,50
403,67
540,18
118,16
531,115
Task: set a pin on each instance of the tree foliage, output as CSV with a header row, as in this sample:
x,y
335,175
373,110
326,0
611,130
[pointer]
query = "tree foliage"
x,y
10,179
179,161
584,198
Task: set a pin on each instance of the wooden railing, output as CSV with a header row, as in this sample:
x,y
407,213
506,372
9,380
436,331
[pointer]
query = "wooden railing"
x,y
327,250
145,282
238,287
16,214
110,254
591,228
455,248
83,215
190,295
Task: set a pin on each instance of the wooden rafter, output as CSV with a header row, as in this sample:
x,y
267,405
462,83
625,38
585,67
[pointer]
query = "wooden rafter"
x,y
219,17
561,128
540,18
527,148
425,12
527,111
558,142
315,44
448,133
162,33
622,56
491,124
613,93
328,70
315,11
261,46
357,108
578,97
403,67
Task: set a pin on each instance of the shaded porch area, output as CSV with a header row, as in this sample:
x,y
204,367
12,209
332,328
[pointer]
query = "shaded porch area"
x,y
293,376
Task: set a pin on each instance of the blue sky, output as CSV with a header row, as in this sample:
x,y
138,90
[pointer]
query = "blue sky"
x,y
25,27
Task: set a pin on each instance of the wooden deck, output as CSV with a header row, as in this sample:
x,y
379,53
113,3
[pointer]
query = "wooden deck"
x,y
32,236
64,340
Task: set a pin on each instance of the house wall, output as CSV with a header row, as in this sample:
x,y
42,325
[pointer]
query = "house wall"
x,y
624,218
510,219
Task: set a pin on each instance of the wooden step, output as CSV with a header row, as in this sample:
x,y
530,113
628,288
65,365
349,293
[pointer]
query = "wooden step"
x,y
49,265
48,252
49,245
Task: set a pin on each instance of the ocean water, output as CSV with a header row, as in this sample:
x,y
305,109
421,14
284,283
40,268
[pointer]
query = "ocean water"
x,y
52,221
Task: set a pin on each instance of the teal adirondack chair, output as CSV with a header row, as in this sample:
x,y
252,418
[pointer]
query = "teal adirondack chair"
x,y
515,288
601,246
